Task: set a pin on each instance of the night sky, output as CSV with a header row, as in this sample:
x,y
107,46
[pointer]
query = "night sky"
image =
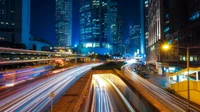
x,y
43,18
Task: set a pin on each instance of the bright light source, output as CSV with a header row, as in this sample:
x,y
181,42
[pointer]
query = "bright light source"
x,y
166,47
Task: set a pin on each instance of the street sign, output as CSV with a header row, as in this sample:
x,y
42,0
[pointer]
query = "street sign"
x,y
52,94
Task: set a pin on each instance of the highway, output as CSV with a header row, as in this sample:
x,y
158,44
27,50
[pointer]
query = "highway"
x,y
35,97
170,101
107,98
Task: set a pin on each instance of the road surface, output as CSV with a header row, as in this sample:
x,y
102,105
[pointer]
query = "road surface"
x,y
36,97
106,98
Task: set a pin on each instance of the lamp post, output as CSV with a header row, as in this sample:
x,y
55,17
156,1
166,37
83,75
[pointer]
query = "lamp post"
x,y
167,47
51,95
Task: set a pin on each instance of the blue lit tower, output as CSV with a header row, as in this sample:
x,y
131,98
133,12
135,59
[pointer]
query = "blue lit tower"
x,y
135,39
63,23
94,30
114,23
15,21
144,25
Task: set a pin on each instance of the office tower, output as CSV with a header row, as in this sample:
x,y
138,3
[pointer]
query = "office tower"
x,y
63,23
144,25
114,27
120,34
94,29
15,21
135,42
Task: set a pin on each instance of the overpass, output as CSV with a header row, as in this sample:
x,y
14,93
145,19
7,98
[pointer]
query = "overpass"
x,y
11,55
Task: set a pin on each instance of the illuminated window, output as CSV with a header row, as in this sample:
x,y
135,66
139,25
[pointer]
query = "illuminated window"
x,y
191,58
181,58
88,45
184,58
195,16
195,58
166,29
96,45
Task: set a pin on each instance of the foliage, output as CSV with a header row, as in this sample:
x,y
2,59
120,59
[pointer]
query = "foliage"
x,y
110,66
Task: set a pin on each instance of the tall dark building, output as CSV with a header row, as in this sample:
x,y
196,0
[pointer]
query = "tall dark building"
x,y
144,25
63,23
15,21
184,31
175,22
94,29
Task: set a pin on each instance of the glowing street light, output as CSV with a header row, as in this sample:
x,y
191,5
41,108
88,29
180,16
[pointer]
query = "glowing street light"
x,y
166,47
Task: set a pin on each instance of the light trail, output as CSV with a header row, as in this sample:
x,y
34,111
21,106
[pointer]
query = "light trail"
x,y
37,98
102,89
171,101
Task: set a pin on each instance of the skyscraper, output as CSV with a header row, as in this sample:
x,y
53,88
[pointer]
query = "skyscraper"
x,y
94,29
155,28
120,35
114,26
144,24
15,21
135,42
63,23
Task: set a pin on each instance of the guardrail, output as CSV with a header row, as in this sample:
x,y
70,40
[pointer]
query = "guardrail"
x,y
84,98
149,96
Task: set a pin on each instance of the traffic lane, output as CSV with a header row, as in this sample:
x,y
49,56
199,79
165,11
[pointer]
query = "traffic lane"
x,y
102,103
28,85
68,74
116,101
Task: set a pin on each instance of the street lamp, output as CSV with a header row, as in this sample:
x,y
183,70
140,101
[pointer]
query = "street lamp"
x,y
167,47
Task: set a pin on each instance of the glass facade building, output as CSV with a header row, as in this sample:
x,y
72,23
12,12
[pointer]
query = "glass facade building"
x,y
114,27
135,39
94,27
63,23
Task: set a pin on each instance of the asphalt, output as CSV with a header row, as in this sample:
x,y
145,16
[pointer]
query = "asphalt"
x,y
155,78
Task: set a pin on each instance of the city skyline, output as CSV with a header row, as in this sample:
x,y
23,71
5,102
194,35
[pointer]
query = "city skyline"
x,y
43,10
105,56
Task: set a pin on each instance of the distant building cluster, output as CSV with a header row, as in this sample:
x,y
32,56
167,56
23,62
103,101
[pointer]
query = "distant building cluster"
x,y
175,22
100,27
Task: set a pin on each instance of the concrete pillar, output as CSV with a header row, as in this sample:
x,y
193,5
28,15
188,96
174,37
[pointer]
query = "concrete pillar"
x,y
197,76
75,60
169,84
177,78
